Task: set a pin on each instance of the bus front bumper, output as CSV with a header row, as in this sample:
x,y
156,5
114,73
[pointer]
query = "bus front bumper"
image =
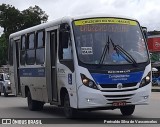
x,y
91,98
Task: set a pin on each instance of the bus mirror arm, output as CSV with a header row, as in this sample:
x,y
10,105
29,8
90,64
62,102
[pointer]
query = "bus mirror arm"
x,y
144,29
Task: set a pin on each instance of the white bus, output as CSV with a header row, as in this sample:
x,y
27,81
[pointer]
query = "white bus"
x,y
82,63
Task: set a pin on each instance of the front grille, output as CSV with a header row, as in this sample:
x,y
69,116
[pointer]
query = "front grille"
x,y
121,90
125,85
126,95
126,103
123,97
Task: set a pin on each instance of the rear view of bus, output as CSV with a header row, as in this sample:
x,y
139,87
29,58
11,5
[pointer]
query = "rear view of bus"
x,y
114,69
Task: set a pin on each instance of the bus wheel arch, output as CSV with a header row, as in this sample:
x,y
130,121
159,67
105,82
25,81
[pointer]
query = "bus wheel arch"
x,y
65,102
33,105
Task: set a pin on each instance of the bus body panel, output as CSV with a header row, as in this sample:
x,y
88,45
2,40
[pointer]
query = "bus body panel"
x,y
66,79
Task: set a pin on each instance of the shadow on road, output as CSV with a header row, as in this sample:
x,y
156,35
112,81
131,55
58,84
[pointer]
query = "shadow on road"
x,y
98,114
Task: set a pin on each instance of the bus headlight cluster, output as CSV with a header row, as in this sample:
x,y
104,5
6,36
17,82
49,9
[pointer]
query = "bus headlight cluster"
x,y
146,80
88,82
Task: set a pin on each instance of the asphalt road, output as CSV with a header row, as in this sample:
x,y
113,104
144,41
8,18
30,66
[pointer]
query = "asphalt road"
x,y
16,107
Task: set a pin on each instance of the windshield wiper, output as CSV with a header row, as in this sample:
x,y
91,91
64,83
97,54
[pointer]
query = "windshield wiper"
x,y
106,48
120,51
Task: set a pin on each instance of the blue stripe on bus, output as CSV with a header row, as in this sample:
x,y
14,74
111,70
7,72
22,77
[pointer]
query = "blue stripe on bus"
x,y
32,72
117,78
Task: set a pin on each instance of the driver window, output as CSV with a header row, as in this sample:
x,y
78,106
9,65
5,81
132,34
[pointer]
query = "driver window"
x,y
67,51
65,46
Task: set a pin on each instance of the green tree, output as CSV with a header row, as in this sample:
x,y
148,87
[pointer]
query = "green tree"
x,y
3,50
33,16
10,19
13,20
153,32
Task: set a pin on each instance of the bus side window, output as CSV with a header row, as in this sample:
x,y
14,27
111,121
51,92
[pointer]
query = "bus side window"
x,y
40,46
30,46
23,50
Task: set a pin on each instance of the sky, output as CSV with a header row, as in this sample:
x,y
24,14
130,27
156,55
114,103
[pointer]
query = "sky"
x,y
147,12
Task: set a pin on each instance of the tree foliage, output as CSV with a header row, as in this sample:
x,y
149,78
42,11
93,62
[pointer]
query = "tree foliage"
x,y
154,32
3,50
10,19
13,20
33,16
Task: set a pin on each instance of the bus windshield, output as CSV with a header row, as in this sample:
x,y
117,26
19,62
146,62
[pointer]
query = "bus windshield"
x,y
109,41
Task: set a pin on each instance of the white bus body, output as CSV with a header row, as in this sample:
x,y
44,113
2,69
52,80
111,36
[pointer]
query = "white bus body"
x,y
89,62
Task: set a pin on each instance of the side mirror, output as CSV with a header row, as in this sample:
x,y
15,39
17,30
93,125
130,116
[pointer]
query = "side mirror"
x,y
64,37
64,34
144,29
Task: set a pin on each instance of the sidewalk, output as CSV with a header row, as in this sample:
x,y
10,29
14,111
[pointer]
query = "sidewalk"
x,y
155,88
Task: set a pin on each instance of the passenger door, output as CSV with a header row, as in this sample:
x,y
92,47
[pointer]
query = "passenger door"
x,y
51,60
14,66
53,54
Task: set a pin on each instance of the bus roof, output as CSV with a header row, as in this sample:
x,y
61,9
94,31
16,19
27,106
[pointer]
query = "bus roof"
x,y
62,20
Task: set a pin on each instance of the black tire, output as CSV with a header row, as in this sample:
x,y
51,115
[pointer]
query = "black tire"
x,y
0,93
68,111
127,110
5,93
34,105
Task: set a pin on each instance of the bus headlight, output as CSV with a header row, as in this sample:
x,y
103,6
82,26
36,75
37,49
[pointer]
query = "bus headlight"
x,y
146,80
88,82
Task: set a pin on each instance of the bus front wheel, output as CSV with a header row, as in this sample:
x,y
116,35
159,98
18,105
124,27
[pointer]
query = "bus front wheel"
x,y
127,110
69,111
32,104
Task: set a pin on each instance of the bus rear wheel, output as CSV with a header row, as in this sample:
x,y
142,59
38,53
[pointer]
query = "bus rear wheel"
x,y
69,111
32,104
127,110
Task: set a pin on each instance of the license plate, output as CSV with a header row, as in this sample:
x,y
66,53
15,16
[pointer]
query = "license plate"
x,y
120,103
